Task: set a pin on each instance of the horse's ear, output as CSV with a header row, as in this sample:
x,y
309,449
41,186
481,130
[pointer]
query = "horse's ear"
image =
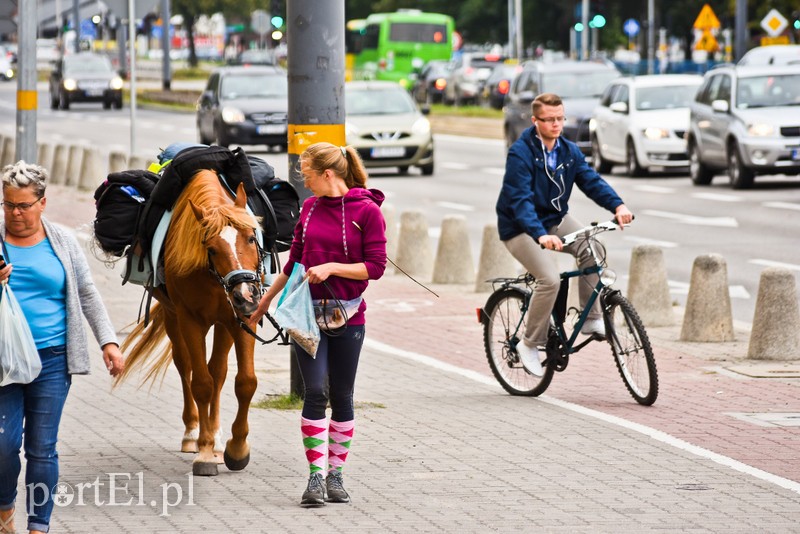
x,y
198,212
241,196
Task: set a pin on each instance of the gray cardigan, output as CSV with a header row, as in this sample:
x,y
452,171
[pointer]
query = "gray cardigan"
x,y
83,298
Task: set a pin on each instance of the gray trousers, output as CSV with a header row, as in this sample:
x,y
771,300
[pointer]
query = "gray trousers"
x,y
540,263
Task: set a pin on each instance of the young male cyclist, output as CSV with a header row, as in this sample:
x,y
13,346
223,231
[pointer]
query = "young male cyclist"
x,y
533,215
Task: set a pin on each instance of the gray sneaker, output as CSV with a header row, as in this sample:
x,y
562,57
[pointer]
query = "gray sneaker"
x,y
315,492
336,491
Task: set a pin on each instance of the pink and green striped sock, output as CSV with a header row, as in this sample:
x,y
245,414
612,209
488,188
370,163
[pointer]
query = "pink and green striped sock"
x,y
315,442
339,438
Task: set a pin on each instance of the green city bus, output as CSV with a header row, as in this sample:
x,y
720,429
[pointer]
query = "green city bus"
x,y
395,46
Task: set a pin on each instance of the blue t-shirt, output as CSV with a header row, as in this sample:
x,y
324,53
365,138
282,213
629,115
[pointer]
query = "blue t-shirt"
x,y
40,285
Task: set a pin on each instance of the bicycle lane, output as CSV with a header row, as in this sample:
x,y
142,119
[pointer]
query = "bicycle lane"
x,y
701,401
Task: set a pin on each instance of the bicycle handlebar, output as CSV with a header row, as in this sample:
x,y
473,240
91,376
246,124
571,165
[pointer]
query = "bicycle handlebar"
x,y
592,229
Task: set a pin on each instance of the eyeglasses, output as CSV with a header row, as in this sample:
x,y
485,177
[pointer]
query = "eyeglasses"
x,y
552,120
22,206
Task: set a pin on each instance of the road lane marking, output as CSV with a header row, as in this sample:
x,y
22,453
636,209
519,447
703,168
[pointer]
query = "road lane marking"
x,y
653,189
646,241
454,166
770,263
683,218
470,140
719,197
455,206
647,431
782,205
497,171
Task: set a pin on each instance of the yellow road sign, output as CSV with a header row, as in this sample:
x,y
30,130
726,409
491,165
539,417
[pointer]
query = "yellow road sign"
x,y
707,42
779,40
706,20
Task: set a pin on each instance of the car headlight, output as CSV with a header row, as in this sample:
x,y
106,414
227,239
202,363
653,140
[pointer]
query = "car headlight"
x,y
761,130
70,84
592,124
422,126
350,130
655,133
116,83
232,115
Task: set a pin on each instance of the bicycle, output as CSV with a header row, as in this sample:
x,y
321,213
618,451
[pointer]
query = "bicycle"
x,y
504,318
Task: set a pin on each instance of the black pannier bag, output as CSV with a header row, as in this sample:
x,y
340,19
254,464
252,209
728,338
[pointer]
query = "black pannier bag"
x,y
120,200
282,204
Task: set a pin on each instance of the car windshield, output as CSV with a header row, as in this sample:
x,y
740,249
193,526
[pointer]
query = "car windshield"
x,y
86,65
665,97
254,86
378,102
252,56
577,84
768,91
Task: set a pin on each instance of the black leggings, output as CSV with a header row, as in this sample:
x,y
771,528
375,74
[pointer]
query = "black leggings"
x,y
337,359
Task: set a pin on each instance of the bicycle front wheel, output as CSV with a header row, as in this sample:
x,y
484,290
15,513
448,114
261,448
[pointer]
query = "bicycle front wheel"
x,y
503,327
631,347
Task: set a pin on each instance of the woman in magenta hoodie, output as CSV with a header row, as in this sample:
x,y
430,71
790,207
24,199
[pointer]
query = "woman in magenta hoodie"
x,y
341,239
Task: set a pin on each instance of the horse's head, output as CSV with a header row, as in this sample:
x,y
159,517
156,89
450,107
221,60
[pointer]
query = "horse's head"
x,y
234,255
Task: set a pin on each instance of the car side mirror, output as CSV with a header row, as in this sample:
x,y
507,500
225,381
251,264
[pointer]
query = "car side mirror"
x,y
619,107
207,97
526,97
720,106
425,109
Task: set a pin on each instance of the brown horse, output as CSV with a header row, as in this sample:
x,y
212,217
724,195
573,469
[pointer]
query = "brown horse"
x,y
213,276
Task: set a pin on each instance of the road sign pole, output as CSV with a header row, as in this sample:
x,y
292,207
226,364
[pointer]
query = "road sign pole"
x,y
740,44
26,84
651,36
315,40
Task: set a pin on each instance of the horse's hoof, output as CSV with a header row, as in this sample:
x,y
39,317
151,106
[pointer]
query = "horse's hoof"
x,y
204,469
234,464
218,456
188,445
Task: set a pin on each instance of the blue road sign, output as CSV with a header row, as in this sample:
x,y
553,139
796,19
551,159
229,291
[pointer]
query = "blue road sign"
x,y
630,27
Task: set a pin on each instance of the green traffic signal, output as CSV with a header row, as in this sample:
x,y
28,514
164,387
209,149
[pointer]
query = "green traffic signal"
x,y
277,21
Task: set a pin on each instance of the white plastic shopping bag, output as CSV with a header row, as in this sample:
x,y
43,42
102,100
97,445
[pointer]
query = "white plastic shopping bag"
x,y
19,359
295,312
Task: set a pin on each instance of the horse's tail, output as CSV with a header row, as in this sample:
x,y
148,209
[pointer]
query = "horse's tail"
x,y
145,341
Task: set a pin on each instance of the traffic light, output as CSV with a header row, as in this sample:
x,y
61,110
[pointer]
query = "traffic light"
x,y
796,20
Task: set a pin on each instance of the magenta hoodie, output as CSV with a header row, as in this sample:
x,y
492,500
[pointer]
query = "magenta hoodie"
x,y
363,240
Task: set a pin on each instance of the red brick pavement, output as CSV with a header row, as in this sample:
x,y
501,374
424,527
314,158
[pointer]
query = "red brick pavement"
x,y
696,394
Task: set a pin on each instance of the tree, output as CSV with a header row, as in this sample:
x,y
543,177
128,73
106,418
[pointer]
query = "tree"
x,y
191,9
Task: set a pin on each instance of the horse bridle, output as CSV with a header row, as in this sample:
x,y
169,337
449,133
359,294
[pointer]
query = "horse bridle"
x,y
242,276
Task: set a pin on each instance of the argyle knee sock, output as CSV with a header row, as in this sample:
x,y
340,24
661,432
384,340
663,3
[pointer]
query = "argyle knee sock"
x,y
339,438
315,442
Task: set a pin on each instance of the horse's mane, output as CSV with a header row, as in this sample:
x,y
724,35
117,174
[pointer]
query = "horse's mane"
x,y
186,251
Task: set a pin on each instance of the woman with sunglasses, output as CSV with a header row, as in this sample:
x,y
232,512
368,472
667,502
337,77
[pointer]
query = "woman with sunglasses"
x,y
48,272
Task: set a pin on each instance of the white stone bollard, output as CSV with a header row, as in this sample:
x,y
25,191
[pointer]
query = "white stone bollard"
x,y
93,170
414,255
708,317
454,263
9,152
117,161
776,321
390,217
138,162
74,165
648,289
495,260
58,174
45,156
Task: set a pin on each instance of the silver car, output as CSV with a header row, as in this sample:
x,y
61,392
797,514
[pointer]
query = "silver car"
x,y
745,120
386,127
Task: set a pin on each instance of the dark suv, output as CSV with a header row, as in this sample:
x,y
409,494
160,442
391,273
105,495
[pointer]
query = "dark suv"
x,y
244,106
85,77
580,84
745,120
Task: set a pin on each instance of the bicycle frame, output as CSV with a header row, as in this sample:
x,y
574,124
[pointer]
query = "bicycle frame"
x,y
559,311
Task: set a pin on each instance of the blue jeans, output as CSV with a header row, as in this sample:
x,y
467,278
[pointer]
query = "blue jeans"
x,y
38,406
336,360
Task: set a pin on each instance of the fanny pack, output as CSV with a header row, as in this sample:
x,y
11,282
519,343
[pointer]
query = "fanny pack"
x,y
332,314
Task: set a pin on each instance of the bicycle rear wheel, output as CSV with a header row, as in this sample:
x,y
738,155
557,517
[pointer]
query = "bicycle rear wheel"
x,y
631,347
503,327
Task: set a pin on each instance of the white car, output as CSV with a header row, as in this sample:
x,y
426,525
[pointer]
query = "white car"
x,y
387,127
641,122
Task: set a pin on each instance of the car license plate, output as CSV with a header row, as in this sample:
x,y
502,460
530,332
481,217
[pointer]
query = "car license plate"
x,y
268,129
388,152
796,154
94,92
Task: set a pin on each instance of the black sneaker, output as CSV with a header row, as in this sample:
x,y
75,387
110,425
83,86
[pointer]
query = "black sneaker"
x,y
336,491
315,492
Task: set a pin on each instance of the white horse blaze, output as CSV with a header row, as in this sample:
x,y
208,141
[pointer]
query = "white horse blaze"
x,y
229,235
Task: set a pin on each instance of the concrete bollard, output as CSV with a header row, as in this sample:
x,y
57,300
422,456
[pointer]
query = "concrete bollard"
x,y
138,162
495,260
390,217
45,156
776,320
3,138
58,174
117,161
93,170
414,255
9,155
648,289
454,263
708,315
74,164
